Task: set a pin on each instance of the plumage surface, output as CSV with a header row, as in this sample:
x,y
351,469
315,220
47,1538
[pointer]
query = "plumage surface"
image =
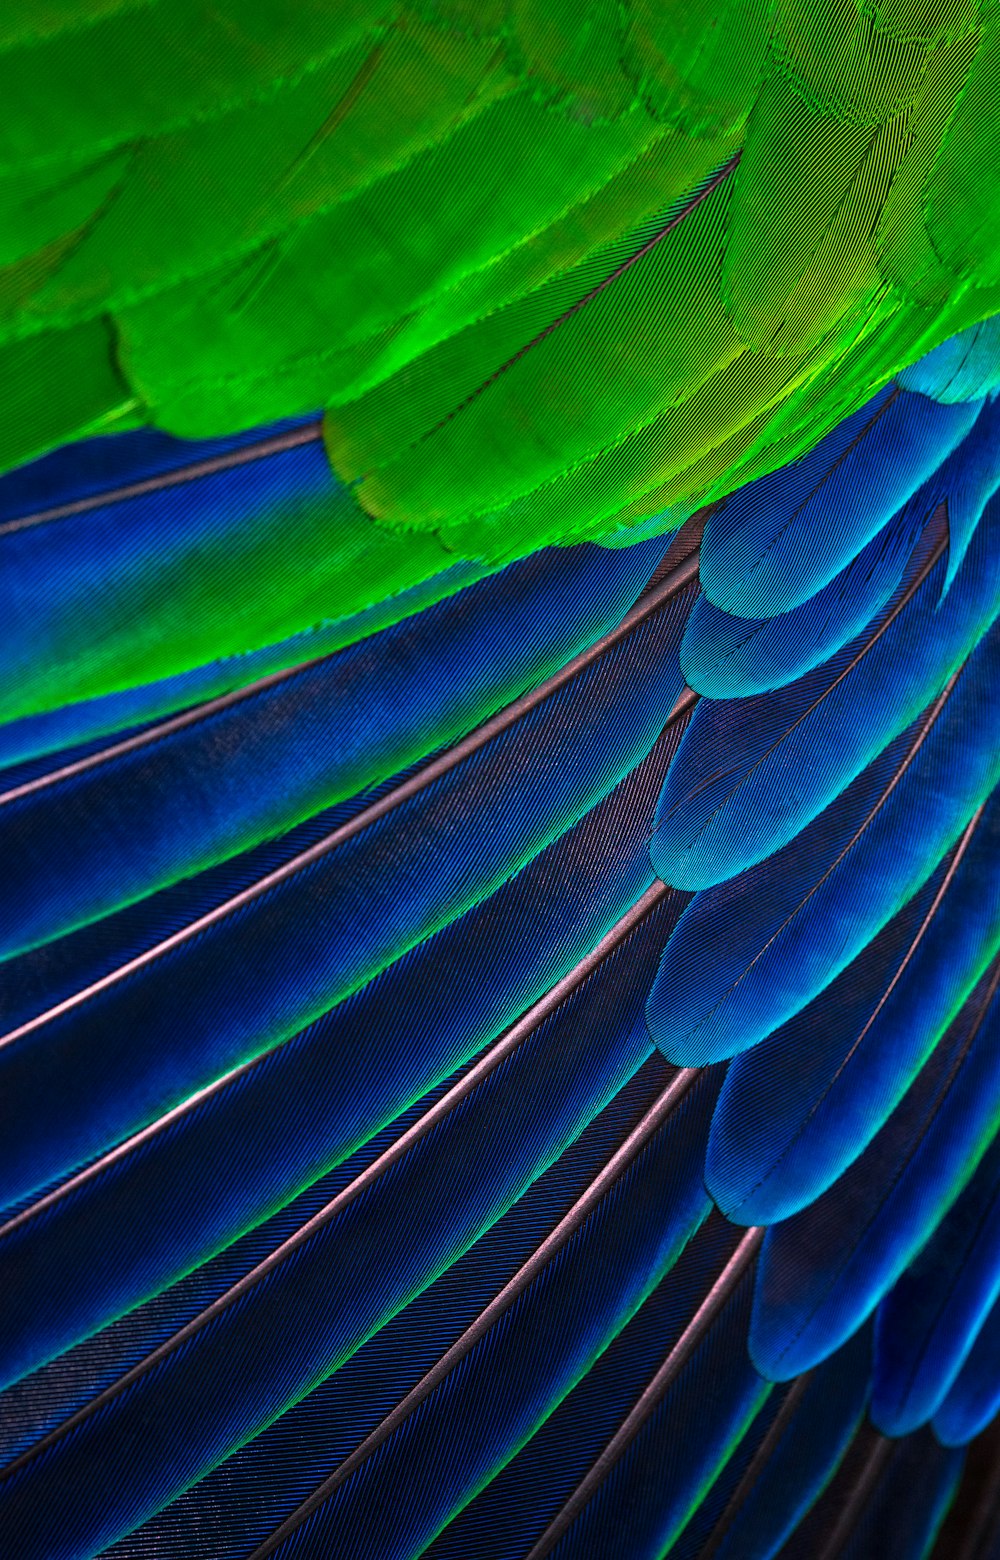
x,y
499,776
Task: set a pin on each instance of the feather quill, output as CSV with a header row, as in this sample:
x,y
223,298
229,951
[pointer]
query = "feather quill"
x,y
395,873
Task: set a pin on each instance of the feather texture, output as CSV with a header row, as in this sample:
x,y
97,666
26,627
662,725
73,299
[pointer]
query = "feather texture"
x,y
930,1319
733,657
742,787
298,1273
223,776
358,1065
798,918
399,839
797,1109
824,1270
629,689
780,540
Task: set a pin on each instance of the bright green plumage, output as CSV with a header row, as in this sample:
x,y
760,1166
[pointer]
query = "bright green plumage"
x,y
551,272
241,212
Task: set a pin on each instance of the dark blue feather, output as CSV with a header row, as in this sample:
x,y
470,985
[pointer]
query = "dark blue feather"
x,y
91,835
974,1399
887,1499
75,730
496,1388
795,1457
272,961
517,1505
359,1262
930,1319
249,1495
902,1517
729,657
622,1505
106,578
161,1205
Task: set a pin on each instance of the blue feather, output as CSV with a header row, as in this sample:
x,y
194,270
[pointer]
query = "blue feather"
x,y
306,1105
747,956
795,1457
887,1500
962,368
903,1517
966,483
929,1321
730,657
83,564
727,657
822,1272
974,1399
185,793
358,1262
394,1495
75,473
799,1107
75,730
779,540
618,1506
515,1508
273,960
751,774
244,1499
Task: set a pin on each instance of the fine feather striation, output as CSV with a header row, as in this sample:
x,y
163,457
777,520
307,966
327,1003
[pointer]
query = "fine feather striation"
x,y
966,367
77,730
89,836
167,559
734,657
516,1507
157,1201
504,1124
780,540
272,959
751,775
617,1503
785,1461
930,1319
888,1499
798,1108
244,1499
727,657
793,922
393,1494
168,238
823,1271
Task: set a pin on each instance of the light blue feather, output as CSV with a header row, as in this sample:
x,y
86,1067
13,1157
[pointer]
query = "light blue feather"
x,y
798,1108
823,1271
752,773
779,540
745,957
